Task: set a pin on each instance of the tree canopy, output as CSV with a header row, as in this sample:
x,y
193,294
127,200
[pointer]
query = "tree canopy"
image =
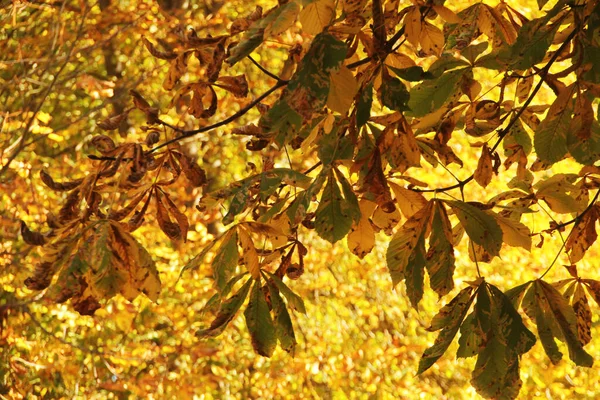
x,y
146,147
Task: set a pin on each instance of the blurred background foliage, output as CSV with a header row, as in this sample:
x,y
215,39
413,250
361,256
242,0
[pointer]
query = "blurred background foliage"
x,y
65,66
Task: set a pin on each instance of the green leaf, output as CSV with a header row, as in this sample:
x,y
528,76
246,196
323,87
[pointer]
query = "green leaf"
x,y
198,259
430,95
106,279
412,74
550,139
471,338
276,21
335,214
271,180
532,44
585,150
406,253
551,305
260,323
295,301
394,94
517,136
309,87
481,228
440,257
283,323
363,106
299,207
282,121
496,373
228,310
449,320
226,260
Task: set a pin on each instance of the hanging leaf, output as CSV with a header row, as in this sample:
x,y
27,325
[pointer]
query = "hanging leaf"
x,y
484,172
440,257
481,228
583,234
283,322
547,306
225,261
260,323
406,256
361,238
249,254
342,89
227,312
496,373
449,320
336,214
316,15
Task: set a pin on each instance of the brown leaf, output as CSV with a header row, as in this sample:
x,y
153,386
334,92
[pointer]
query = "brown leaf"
x,y
242,24
124,212
180,217
59,187
171,229
248,130
583,314
31,237
70,210
218,56
376,183
152,138
192,171
203,94
177,69
113,122
236,85
142,105
163,55
484,172
583,234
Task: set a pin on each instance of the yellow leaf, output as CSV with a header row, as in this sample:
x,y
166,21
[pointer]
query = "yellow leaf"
x,y
514,233
283,22
361,238
412,28
447,14
342,89
432,39
386,221
409,202
483,173
249,254
317,15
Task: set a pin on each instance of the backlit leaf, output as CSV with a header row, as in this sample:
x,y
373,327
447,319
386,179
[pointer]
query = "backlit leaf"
x,y
481,228
260,323
448,319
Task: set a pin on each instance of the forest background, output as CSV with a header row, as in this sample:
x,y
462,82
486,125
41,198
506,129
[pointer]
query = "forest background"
x,y
68,68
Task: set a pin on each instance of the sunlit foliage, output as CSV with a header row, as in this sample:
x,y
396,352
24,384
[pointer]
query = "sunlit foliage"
x,y
347,175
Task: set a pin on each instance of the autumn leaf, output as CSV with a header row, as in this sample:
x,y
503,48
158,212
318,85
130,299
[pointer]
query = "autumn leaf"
x,y
481,228
316,15
484,172
361,238
336,214
583,234
555,317
260,323
227,312
406,257
342,89
448,320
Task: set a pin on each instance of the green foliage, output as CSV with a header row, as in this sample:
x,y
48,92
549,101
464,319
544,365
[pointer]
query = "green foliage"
x,y
379,119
